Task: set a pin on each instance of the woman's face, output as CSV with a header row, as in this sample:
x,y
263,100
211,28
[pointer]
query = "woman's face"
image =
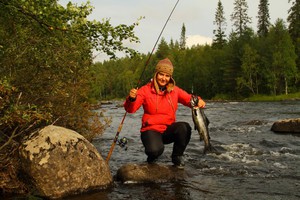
x,y
162,79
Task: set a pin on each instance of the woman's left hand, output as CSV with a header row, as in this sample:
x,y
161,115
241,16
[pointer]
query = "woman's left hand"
x,y
201,103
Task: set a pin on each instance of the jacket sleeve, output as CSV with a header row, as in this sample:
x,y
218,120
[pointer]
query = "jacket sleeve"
x,y
184,97
132,106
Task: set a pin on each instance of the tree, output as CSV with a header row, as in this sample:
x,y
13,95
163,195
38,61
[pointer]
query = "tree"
x,y
240,17
46,53
263,18
182,42
294,20
163,49
283,65
250,70
220,21
294,28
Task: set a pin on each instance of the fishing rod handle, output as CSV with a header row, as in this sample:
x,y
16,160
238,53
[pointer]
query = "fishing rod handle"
x,y
116,139
110,151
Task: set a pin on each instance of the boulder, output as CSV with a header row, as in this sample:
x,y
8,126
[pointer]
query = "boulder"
x,y
287,126
60,162
148,173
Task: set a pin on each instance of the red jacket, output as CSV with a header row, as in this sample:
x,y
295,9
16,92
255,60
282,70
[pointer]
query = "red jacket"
x,y
159,108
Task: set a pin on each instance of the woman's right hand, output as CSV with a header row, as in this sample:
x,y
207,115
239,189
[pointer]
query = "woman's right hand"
x,y
132,93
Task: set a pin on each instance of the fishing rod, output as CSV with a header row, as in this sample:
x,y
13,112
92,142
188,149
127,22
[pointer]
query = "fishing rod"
x,y
146,64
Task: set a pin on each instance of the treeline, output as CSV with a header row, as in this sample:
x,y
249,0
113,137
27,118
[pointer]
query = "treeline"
x,y
242,64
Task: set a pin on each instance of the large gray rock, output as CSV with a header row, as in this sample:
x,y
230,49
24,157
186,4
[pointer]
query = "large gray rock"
x,y
287,126
61,162
148,173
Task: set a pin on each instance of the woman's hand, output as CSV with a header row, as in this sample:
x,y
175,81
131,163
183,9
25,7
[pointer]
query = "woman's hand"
x,y
201,103
132,93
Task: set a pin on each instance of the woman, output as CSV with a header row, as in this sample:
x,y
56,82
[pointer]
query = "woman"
x,y
160,99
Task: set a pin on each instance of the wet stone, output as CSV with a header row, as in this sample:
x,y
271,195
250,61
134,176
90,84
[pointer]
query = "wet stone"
x,y
148,173
287,126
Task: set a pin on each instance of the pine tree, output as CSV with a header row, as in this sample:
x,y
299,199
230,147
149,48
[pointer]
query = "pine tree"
x,y
294,28
294,20
163,49
263,18
220,22
182,43
240,17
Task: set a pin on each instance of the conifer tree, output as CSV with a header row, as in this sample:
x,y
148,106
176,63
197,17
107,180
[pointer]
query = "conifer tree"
x,y
240,16
263,18
220,22
294,20
294,27
182,43
163,49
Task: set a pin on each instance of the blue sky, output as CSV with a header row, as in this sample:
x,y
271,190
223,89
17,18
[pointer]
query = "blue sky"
x,y
197,15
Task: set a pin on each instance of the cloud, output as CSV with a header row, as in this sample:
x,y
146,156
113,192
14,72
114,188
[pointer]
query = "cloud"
x,y
197,40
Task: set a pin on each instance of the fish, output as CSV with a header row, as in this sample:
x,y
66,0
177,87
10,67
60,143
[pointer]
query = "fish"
x,y
201,123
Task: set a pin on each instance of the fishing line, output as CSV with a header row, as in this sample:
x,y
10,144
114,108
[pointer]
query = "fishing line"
x,y
142,74
162,30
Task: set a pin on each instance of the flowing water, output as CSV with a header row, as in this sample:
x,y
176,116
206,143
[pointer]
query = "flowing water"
x,y
255,163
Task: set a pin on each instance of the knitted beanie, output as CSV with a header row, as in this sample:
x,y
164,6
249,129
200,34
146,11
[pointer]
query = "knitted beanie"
x,y
165,66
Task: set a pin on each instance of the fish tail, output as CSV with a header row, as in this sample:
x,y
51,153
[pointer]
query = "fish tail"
x,y
209,149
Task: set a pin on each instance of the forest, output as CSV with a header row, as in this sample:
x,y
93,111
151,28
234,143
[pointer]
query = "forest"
x,y
243,64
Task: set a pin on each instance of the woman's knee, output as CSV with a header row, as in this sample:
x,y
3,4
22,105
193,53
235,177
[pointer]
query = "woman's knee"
x,y
153,144
154,152
184,127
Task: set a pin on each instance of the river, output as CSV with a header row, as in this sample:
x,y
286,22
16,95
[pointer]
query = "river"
x,y
255,163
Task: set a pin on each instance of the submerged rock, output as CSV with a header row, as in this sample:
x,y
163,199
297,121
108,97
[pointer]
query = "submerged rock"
x,y
148,173
61,162
287,126
255,122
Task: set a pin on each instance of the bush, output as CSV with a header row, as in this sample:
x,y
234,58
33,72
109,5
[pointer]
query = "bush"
x,y
16,119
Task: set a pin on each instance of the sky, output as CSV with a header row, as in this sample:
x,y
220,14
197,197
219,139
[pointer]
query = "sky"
x,y
197,16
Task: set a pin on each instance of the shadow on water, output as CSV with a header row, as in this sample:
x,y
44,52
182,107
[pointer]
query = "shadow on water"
x,y
252,163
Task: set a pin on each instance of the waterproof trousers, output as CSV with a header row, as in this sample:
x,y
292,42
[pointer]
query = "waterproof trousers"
x,y
178,133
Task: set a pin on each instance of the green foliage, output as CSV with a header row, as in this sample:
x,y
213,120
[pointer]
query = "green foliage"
x,y
283,59
294,20
240,17
249,75
182,42
163,49
46,52
263,18
246,65
294,29
114,78
220,21
17,119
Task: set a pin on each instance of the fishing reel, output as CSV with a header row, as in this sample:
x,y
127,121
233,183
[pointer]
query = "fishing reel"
x,y
123,142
